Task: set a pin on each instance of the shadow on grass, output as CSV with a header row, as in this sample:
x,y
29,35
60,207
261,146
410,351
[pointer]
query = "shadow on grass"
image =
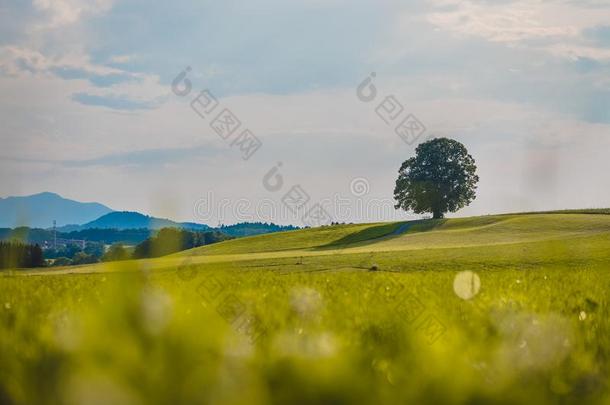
x,y
378,233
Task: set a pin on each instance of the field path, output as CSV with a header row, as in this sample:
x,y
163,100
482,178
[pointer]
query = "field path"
x,y
402,229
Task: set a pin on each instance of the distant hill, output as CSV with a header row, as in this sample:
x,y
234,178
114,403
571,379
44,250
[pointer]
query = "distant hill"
x,y
416,242
132,220
93,221
39,211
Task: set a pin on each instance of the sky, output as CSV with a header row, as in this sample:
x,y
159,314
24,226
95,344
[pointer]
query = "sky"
x,y
93,107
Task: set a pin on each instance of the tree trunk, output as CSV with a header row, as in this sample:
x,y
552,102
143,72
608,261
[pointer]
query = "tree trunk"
x,y
436,214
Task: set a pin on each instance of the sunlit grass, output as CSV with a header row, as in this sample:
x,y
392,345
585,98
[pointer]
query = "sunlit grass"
x,y
278,319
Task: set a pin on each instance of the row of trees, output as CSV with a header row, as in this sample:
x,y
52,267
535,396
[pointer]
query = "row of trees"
x,y
28,235
165,242
129,236
110,235
253,228
18,255
171,240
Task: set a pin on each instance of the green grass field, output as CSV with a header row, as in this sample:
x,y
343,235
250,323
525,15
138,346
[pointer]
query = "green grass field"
x,y
300,318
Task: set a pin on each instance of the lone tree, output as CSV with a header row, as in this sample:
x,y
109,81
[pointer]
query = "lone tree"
x,y
440,178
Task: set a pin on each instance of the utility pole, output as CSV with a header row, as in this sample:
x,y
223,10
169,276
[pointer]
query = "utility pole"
x,y
54,235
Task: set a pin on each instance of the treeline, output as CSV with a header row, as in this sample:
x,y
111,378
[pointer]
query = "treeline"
x,y
172,240
16,255
25,235
166,241
69,254
254,228
130,236
108,236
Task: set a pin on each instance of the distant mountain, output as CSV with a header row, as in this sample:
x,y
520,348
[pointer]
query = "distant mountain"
x,y
123,220
132,220
39,211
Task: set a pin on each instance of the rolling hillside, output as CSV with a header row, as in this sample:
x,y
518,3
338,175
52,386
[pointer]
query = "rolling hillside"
x,y
418,235
489,242
368,313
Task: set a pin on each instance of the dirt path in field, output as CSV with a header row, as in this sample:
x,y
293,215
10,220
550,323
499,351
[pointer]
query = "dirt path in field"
x,y
401,229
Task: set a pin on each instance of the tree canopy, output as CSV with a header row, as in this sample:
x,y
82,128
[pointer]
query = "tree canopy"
x,y
440,178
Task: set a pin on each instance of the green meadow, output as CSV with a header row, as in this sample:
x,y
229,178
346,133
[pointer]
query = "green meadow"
x,y
497,309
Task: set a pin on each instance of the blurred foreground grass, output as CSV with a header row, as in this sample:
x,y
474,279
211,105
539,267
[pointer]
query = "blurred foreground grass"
x,y
322,329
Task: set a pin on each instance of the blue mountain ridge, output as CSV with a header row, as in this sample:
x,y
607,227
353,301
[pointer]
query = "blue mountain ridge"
x,y
40,210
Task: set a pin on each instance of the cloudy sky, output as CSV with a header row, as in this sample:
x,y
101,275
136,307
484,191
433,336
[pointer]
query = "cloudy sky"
x,y
87,108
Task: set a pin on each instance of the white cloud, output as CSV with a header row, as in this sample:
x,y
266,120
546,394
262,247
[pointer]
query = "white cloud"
x,y
58,13
16,61
513,22
122,58
531,154
552,26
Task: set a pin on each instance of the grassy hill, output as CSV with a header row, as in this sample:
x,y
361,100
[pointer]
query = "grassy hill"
x,y
429,234
487,240
348,314
510,241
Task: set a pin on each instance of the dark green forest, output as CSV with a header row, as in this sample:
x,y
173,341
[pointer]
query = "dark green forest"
x,y
172,240
18,255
